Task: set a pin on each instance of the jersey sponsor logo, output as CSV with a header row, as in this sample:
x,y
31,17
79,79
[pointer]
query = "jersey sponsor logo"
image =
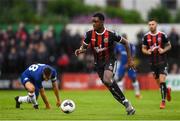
x,y
93,39
149,40
154,47
99,49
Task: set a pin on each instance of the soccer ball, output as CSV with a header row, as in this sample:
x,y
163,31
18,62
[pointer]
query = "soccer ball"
x,y
68,106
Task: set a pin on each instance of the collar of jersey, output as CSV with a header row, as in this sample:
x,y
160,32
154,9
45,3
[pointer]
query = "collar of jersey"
x,y
155,33
101,33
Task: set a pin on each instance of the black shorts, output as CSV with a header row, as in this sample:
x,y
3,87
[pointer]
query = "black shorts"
x,y
159,69
100,68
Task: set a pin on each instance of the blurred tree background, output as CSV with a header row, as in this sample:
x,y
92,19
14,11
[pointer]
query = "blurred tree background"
x,y
52,11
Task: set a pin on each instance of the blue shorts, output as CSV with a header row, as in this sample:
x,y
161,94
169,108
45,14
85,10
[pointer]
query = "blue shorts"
x,y
24,79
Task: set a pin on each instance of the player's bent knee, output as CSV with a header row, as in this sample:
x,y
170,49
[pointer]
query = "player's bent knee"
x,y
107,78
162,78
107,81
30,87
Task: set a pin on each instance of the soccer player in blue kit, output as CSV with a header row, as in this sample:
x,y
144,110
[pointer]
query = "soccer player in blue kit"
x,y
121,55
32,79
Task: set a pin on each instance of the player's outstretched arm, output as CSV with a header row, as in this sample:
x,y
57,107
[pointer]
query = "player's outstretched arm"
x,y
130,60
56,92
43,95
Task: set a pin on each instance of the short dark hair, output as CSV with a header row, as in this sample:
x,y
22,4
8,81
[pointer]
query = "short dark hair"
x,y
100,16
152,19
47,71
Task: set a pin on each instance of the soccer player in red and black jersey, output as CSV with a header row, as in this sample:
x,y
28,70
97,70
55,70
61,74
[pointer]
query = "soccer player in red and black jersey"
x,y
156,45
102,43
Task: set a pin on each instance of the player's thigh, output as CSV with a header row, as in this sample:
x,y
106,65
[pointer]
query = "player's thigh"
x,y
163,72
100,71
109,70
162,78
155,70
29,86
107,77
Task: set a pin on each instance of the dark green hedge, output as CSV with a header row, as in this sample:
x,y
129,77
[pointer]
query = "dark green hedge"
x,y
161,14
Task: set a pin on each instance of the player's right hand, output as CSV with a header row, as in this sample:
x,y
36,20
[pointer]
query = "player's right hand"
x,y
79,51
149,51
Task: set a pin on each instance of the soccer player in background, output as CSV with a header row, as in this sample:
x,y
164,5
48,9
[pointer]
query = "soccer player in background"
x,y
102,42
121,56
156,45
32,79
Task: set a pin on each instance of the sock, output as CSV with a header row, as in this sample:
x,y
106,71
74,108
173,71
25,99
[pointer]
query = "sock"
x,y
136,87
163,90
116,92
32,97
24,99
121,85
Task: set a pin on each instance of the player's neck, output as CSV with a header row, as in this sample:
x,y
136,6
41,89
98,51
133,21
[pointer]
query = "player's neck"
x,y
154,32
101,30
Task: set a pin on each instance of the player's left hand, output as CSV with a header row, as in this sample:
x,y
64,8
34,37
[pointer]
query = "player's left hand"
x,y
161,51
58,103
79,51
131,64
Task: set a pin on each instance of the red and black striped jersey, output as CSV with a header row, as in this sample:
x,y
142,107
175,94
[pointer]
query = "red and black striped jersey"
x,y
153,42
102,44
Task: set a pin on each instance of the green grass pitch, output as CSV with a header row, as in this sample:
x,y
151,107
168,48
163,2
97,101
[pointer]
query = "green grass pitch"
x,y
91,105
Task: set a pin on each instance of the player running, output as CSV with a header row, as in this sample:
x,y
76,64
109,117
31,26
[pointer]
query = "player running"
x,y
156,45
121,56
32,79
102,43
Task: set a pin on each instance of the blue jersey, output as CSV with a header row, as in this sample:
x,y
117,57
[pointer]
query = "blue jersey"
x,y
34,74
120,49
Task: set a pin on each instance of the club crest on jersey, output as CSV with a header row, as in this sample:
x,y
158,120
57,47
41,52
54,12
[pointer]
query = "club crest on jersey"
x,y
105,40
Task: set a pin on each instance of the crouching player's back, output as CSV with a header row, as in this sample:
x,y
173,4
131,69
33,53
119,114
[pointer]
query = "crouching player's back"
x,y
32,79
